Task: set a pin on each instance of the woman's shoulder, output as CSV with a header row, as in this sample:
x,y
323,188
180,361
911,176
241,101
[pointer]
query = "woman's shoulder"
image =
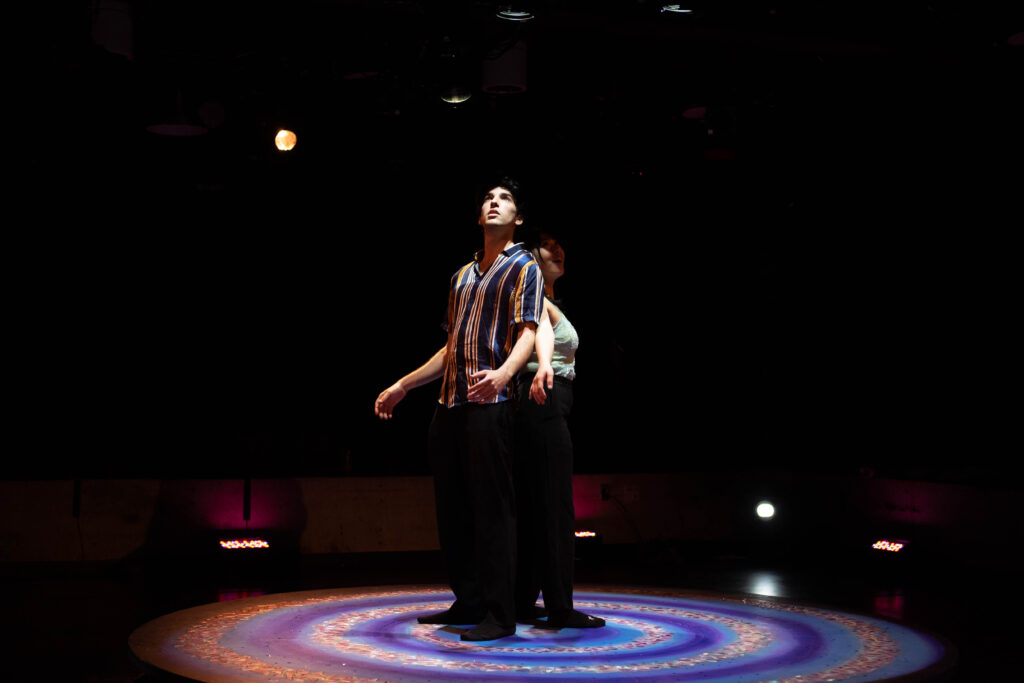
x,y
553,311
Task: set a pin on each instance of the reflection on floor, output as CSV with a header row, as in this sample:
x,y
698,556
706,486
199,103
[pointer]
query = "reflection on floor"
x,y
71,623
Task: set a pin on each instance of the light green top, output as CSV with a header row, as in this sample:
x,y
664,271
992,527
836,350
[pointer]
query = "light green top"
x,y
563,360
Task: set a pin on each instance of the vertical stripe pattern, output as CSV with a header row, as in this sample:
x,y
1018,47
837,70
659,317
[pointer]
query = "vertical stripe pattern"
x,y
483,311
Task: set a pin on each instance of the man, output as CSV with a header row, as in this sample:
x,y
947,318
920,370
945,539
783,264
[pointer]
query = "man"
x,y
494,305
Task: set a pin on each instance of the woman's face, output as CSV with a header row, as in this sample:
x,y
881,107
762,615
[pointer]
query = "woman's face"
x,y
552,258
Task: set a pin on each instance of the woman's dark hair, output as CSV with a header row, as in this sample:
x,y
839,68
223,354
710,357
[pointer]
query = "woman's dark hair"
x,y
529,235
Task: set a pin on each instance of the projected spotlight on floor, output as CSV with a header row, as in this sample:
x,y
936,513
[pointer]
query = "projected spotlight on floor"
x,y
651,635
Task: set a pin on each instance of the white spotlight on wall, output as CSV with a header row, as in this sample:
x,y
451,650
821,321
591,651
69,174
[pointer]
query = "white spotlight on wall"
x,y
765,510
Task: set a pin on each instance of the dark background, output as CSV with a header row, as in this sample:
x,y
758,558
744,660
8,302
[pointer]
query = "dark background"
x,y
814,275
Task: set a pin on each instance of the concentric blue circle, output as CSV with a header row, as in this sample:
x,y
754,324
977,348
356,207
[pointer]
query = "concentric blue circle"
x,y
372,634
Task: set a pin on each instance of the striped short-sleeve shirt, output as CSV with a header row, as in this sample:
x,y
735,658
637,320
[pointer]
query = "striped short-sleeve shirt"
x,y
483,311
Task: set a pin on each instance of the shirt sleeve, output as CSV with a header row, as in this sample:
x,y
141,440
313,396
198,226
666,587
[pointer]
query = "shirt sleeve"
x,y
529,295
449,313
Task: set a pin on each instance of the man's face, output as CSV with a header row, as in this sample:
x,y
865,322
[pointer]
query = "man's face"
x,y
499,209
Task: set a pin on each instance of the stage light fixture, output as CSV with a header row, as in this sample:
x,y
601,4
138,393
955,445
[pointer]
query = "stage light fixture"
x,y
676,9
285,140
585,534
891,546
508,13
244,544
456,94
765,510
454,71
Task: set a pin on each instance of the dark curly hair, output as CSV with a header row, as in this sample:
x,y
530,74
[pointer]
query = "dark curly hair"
x,y
510,184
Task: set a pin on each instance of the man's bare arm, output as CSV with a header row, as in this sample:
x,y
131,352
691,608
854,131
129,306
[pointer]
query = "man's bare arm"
x,y
429,371
489,383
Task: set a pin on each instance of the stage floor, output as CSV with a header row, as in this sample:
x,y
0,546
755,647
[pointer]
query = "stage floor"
x,y
356,634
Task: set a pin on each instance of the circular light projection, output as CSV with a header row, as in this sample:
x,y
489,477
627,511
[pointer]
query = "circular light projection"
x,y
765,510
285,140
509,14
346,635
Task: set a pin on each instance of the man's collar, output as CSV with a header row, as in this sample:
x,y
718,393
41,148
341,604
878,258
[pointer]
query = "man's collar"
x,y
514,249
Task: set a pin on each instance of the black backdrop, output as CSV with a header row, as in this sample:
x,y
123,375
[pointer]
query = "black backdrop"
x,y
812,275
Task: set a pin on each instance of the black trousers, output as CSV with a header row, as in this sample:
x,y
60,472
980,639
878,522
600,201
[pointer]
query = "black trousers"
x,y
546,536
471,454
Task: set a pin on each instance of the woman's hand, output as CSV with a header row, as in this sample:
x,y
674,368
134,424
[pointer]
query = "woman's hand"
x,y
545,377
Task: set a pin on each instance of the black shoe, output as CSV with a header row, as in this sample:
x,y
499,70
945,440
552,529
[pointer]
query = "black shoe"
x,y
449,616
531,612
488,631
575,619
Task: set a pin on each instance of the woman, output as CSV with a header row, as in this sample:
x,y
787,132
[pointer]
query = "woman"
x,y
546,520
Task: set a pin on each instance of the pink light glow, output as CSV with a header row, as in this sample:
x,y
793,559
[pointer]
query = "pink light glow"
x,y
891,546
244,544
225,595
586,499
216,504
889,605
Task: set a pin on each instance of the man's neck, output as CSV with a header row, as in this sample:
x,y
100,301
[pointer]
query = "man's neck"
x,y
495,243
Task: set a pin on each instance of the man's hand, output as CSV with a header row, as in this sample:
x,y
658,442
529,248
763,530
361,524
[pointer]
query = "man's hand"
x,y
388,399
545,377
489,384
